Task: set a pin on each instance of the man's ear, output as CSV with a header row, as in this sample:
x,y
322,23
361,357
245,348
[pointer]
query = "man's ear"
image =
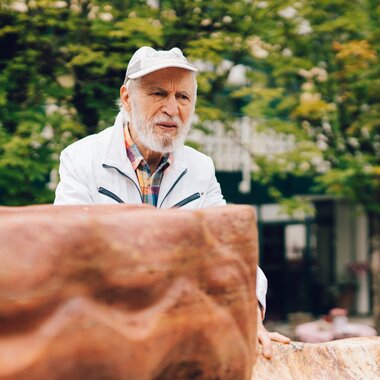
x,y
124,97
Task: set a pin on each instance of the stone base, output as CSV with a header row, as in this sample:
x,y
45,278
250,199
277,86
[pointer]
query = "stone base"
x,y
346,359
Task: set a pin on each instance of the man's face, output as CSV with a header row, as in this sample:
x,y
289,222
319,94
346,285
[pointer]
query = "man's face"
x,y
161,105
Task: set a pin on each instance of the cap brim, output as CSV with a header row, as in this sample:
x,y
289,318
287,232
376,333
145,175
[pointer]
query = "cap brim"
x,y
163,65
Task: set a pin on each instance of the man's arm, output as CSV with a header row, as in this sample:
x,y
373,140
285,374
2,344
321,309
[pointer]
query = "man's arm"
x,y
214,195
261,289
72,189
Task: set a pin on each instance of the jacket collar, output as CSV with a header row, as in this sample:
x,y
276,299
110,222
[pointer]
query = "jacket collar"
x,y
172,174
116,155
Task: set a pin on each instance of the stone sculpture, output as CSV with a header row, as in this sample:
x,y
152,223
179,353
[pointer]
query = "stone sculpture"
x,y
127,292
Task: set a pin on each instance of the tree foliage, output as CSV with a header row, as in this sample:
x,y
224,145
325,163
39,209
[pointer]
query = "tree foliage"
x,y
62,63
305,68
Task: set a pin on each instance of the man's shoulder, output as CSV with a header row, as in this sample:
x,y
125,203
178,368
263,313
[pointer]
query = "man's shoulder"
x,y
196,161
90,142
192,153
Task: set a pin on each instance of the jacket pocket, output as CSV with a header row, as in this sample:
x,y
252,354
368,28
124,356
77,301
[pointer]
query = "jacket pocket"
x,y
187,200
110,194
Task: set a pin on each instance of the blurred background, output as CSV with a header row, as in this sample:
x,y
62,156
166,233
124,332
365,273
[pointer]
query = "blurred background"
x,y
288,107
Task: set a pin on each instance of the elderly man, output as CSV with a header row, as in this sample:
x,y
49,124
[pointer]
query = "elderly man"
x,y
142,158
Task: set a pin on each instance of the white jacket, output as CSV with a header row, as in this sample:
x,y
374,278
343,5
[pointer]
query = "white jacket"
x,y
96,170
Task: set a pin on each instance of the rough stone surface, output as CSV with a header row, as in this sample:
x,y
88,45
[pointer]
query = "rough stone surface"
x,y
346,359
102,292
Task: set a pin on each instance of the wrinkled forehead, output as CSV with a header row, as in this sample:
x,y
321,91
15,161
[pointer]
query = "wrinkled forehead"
x,y
179,79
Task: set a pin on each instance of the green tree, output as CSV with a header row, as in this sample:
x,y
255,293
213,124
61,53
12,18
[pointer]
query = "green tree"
x,y
322,76
61,64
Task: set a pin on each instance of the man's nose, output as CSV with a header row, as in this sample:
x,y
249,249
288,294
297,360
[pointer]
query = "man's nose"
x,y
171,106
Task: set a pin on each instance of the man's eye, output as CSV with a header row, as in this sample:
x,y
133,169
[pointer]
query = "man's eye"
x,y
183,97
158,93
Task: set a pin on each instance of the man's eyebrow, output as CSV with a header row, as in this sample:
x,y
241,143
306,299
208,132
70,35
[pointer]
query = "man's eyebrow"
x,y
184,92
155,88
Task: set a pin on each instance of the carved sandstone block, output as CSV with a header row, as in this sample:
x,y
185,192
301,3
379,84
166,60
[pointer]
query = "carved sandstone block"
x,y
348,359
127,292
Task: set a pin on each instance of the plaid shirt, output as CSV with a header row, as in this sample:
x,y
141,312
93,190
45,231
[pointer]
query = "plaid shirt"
x,y
149,182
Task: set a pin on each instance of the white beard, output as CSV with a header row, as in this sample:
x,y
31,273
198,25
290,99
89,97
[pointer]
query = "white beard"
x,y
146,133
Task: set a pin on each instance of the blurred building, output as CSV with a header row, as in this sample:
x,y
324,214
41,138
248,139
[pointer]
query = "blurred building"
x,y
312,263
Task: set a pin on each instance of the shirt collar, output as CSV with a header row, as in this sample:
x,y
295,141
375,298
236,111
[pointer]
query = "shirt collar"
x,y
135,156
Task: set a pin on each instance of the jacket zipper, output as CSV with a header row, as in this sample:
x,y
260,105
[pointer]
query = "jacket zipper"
x,y
182,174
125,175
110,194
187,200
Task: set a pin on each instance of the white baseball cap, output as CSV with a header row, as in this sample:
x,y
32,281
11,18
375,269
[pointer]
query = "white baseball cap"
x,y
146,60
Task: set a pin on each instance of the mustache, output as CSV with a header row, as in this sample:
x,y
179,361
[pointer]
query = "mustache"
x,y
167,119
